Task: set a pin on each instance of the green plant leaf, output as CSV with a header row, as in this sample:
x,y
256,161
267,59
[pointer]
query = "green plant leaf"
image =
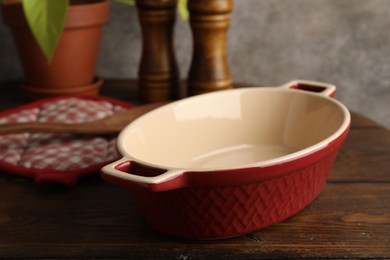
x,y
129,2
46,20
182,6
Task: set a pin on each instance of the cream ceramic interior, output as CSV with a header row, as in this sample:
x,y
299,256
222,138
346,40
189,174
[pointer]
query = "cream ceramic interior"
x,y
234,128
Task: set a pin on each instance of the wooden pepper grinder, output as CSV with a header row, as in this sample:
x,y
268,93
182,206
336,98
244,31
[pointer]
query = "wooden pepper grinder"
x,y
209,70
158,71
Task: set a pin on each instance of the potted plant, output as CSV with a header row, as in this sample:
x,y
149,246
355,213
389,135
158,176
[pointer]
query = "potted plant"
x,y
58,41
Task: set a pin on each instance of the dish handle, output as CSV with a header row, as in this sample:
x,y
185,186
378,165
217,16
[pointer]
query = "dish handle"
x,y
324,89
130,173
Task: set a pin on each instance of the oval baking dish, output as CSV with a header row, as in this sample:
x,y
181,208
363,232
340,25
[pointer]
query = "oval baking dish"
x,y
231,162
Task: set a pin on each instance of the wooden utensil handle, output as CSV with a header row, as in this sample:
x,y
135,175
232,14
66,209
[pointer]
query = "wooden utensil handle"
x,y
35,127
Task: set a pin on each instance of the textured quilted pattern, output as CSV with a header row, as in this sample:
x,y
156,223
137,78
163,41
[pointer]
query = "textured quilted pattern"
x,y
231,211
59,152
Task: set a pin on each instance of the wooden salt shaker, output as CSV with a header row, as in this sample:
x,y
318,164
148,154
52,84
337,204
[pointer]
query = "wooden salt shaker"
x,y
209,70
158,71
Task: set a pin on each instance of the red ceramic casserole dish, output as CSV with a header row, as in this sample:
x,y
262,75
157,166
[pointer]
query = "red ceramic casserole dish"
x,y
231,162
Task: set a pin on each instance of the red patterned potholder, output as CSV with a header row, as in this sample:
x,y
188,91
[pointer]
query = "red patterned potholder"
x,y
61,158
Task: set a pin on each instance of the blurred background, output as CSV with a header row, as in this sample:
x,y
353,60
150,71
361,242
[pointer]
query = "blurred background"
x,y
343,42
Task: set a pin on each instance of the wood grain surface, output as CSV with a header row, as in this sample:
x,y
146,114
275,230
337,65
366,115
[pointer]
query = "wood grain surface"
x,y
350,219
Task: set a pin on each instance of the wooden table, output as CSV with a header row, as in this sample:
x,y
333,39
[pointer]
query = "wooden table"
x,y
350,218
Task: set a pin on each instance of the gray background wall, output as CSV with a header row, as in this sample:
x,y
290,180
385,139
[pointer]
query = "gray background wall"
x,y
344,42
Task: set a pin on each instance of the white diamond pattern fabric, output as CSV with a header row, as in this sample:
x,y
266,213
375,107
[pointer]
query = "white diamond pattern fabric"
x,y
60,153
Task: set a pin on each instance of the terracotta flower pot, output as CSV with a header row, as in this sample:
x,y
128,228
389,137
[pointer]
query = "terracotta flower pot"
x,y
72,69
